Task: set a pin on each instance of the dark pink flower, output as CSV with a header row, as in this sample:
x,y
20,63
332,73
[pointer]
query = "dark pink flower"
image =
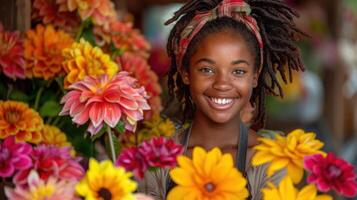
x,y
160,152
331,172
53,161
132,160
14,156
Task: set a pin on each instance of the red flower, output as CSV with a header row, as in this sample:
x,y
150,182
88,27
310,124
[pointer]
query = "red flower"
x,y
160,152
331,172
132,160
52,161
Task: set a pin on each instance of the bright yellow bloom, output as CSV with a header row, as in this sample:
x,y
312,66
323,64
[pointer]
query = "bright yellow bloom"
x,y
287,191
208,176
103,180
17,119
82,60
287,152
52,135
43,51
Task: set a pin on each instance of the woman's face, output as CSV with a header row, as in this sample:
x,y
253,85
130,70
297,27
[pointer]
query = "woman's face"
x,y
221,76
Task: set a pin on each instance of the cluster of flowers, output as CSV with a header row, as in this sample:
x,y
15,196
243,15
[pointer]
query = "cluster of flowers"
x,y
213,176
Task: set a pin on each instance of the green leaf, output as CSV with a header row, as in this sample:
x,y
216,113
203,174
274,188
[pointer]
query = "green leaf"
x,y
50,109
3,90
19,96
120,127
100,133
116,145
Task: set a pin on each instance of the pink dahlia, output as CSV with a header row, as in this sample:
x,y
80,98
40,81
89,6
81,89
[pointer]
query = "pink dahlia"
x,y
52,161
14,156
55,12
160,152
102,100
132,160
331,172
140,69
11,54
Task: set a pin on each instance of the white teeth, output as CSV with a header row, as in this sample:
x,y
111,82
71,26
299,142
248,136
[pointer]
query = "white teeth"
x,y
221,101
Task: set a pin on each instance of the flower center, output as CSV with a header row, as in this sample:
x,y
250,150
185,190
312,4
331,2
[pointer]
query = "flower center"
x,y
105,194
12,116
334,171
209,187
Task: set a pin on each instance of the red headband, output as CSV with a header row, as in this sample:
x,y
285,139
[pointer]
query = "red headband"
x,y
236,9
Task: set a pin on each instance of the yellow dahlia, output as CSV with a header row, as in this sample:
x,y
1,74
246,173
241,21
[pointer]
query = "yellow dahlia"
x,y
52,135
81,60
287,191
43,51
207,176
105,181
287,152
18,119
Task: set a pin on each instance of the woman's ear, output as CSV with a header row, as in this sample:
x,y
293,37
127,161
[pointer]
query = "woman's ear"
x,y
255,78
185,77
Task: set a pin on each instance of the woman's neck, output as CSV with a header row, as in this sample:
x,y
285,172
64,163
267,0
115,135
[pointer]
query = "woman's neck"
x,y
208,134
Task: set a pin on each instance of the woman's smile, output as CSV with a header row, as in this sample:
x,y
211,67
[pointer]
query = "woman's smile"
x,y
221,103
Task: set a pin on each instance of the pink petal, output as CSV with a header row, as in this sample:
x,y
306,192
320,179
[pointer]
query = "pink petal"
x,y
81,118
96,113
23,162
112,114
7,169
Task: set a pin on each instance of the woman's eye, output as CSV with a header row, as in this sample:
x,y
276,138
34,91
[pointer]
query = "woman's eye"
x,y
206,70
239,72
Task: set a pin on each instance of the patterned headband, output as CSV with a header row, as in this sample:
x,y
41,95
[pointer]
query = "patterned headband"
x,y
236,9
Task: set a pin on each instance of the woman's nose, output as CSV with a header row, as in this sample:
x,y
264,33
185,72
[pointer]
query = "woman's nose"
x,y
222,82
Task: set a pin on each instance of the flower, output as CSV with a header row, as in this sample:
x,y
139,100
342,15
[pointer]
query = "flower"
x,y
331,172
18,119
104,181
286,190
43,51
82,60
207,176
55,13
52,161
52,135
140,69
50,189
160,152
101,12
14,156
287,152
102,100
11,54
132,160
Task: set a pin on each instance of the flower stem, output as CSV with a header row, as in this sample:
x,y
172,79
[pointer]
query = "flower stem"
x,y
38,97
111,143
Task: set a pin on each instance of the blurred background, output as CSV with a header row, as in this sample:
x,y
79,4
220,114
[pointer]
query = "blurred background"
x,y
323,99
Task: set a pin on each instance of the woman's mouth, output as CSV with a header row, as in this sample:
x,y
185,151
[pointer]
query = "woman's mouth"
x,y
220,103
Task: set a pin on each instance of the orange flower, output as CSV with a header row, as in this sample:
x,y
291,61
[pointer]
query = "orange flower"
x,y
18,119
43,51
52,135
82,60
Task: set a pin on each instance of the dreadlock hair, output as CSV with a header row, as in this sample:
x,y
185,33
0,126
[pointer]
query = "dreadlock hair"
x,y
280,53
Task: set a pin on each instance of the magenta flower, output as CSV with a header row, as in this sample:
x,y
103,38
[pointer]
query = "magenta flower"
x,y
331,172
132,160
14,156
101,100
52,161
160,152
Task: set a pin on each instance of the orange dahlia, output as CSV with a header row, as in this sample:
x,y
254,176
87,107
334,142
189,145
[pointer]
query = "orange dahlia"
x,y
55,12
52,135
18,119
101,12
82,60
43,51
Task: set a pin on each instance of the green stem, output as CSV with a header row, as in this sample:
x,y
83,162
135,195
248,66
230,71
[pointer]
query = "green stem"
x,y
55,122
111,144
38,97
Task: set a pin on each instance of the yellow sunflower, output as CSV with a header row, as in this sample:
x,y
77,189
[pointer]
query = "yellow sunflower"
x,y
17,119
81,60
105,181
52,135
287,191
208,176
287,152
